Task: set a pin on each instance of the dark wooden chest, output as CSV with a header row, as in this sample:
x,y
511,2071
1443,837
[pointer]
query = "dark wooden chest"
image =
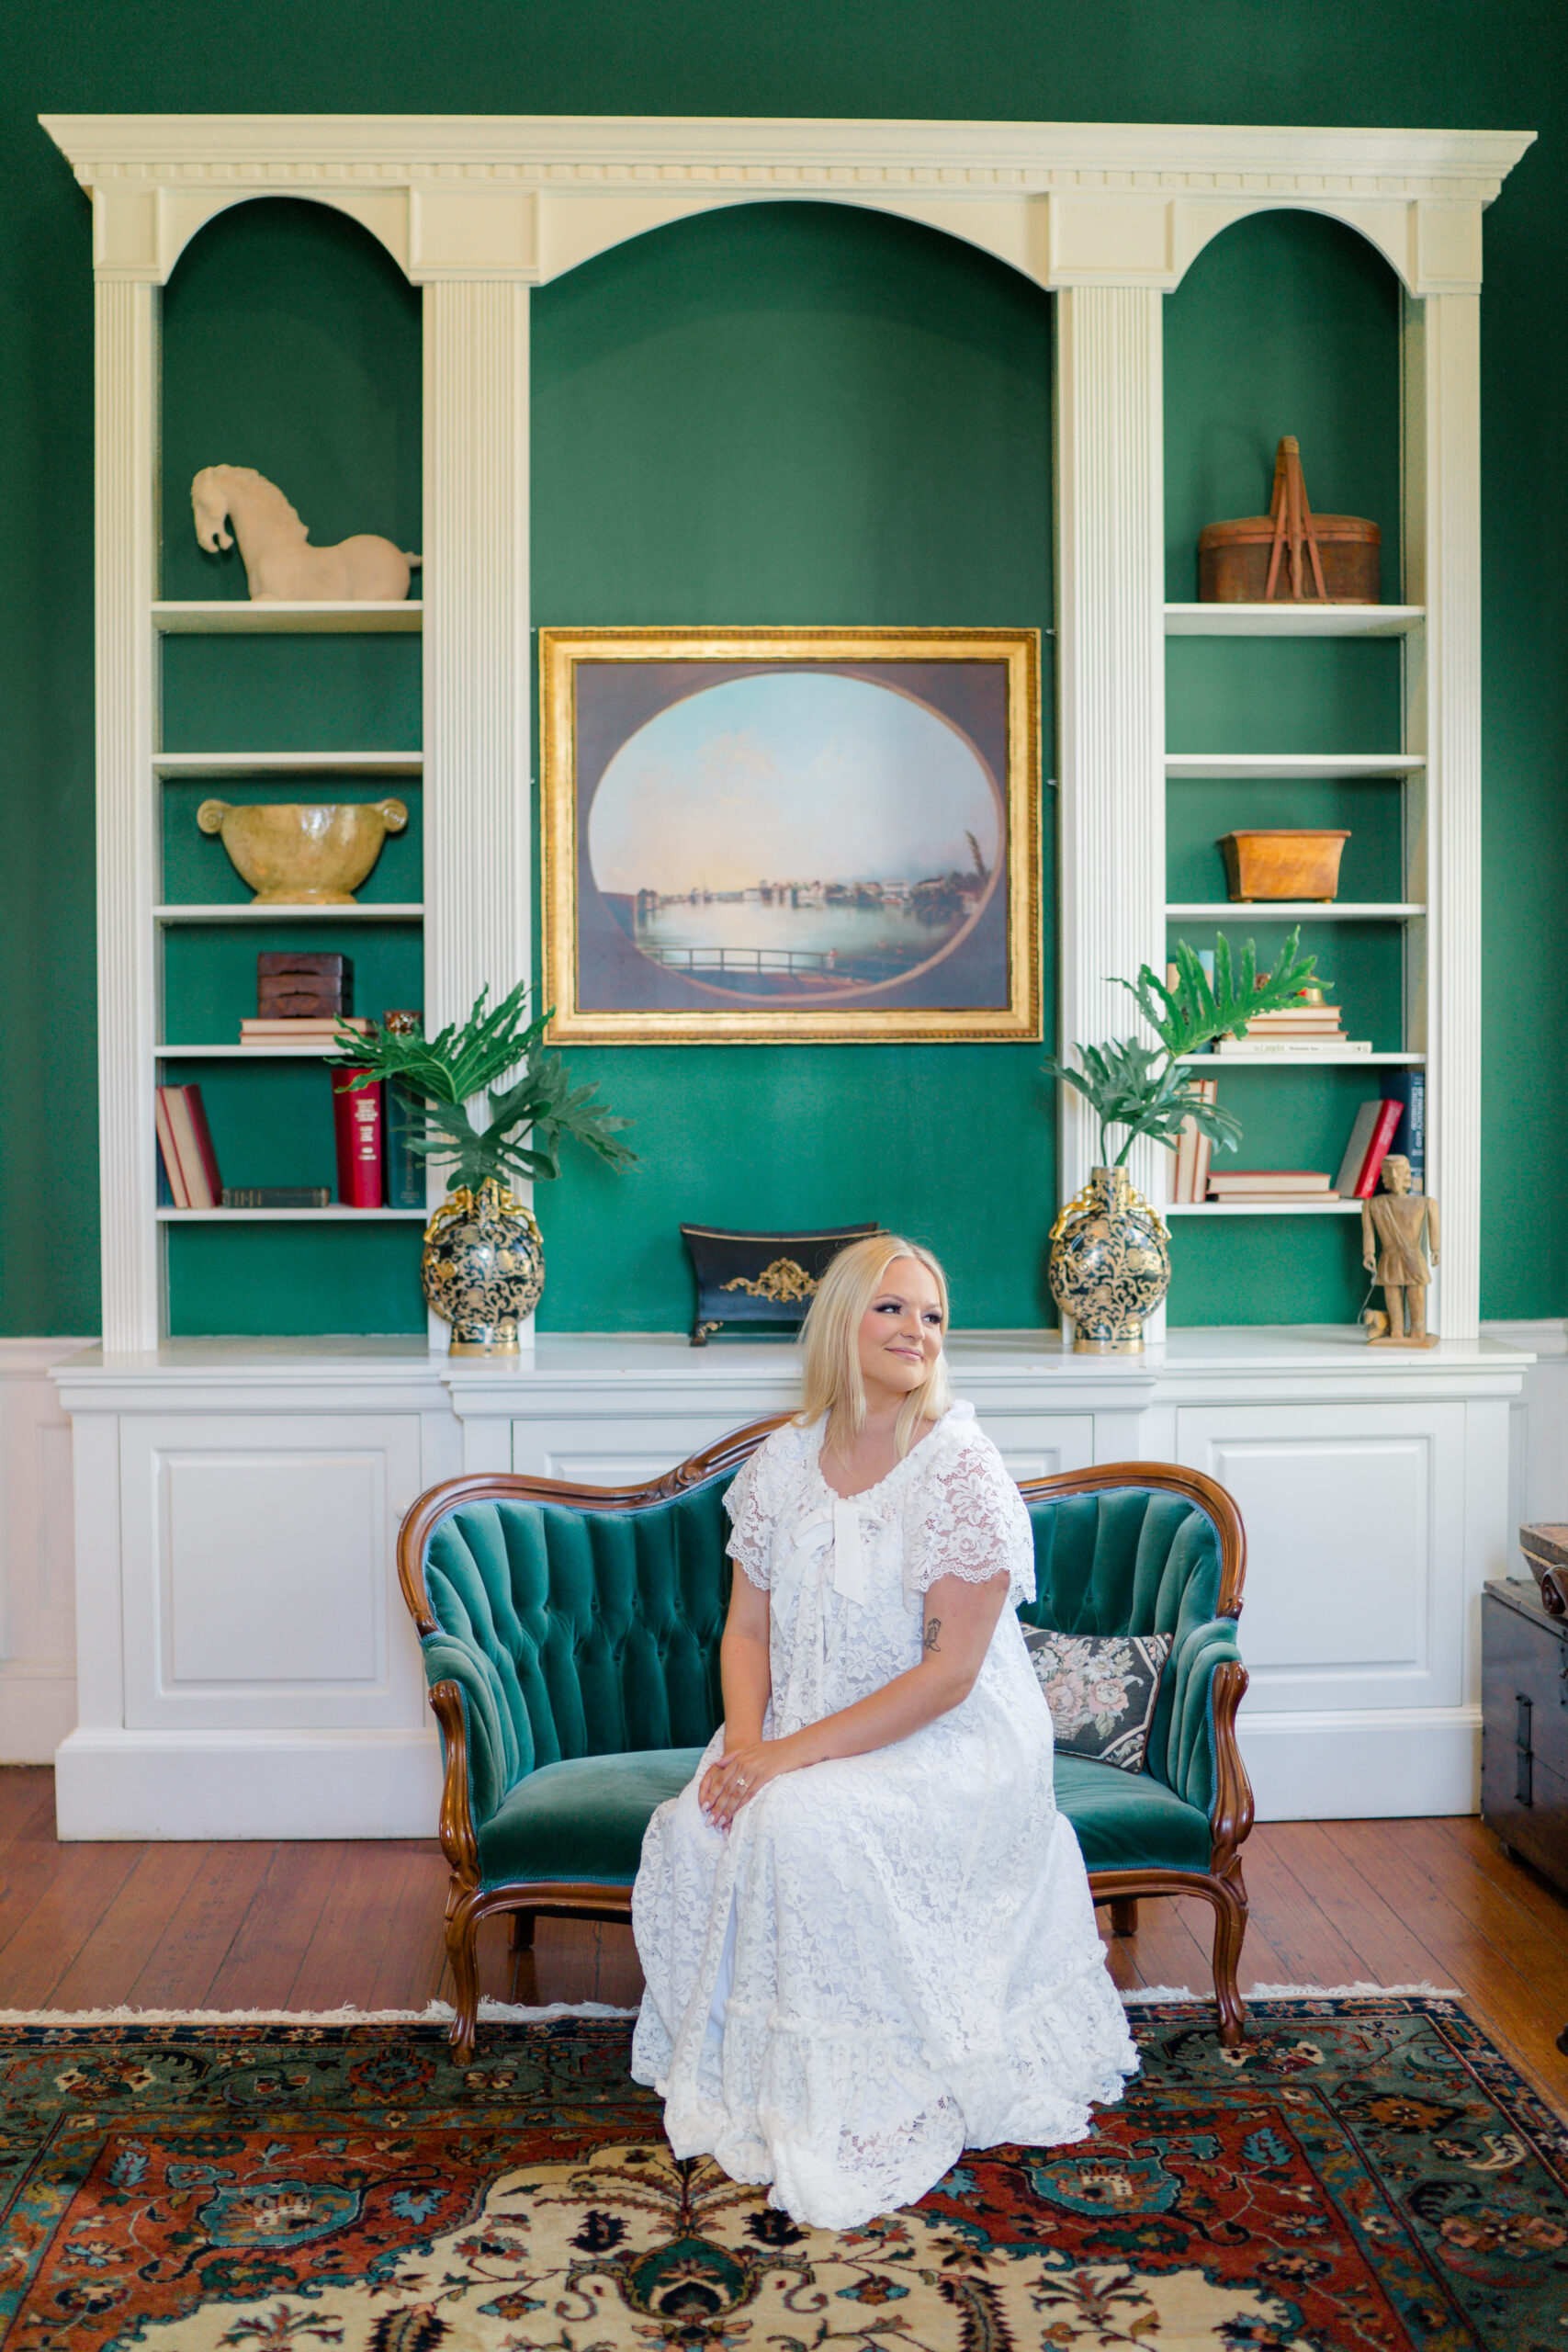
x,y
1524,1703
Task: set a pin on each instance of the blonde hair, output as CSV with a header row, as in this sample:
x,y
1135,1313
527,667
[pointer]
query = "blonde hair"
x,y
830,1340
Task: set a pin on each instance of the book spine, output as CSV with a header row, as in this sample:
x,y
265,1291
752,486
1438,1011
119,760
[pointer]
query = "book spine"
x,y
276,1196
405,1169
1377,1149
202,1134
168,1152
1409,1089
1204,1152
356,1115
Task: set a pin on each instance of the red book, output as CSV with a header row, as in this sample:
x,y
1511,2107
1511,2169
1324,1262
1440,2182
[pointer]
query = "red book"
x,y
167,1150
202,1136
1389,1116
357,1114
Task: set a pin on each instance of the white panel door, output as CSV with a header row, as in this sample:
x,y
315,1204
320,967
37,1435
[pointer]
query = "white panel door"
x,y
1355,1540
260,1572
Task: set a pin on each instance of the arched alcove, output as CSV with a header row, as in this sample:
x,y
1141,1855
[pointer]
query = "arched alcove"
x,y
291,342
797,413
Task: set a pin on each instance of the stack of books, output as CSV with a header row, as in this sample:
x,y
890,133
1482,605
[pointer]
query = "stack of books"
x,y
1279,1186
1299,1031
1189,1160
316,1031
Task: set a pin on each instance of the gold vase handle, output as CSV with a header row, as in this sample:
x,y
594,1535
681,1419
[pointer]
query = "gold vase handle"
x,y
211,816
394,815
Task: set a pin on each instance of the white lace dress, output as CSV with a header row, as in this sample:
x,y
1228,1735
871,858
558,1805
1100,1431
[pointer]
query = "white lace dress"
x,y
889,1957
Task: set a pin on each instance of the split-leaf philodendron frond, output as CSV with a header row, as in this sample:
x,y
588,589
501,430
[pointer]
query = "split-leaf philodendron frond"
x,y
442,1075
1144,1087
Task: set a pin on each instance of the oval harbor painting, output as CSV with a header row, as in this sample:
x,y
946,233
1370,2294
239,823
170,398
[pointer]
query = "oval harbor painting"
x,y
786,848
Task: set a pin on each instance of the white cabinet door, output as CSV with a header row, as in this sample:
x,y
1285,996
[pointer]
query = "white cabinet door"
x,y
1355,1540
259,1575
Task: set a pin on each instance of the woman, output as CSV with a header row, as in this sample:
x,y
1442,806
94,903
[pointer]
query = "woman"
x,y
866,1931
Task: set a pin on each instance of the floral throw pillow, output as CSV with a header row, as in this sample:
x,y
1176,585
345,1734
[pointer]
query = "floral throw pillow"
x,y
1101,1690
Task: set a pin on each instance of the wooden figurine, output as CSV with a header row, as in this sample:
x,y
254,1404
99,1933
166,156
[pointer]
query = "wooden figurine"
x,y
1398,1229
279,564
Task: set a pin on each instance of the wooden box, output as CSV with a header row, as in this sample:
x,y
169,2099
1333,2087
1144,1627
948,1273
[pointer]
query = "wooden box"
x,y
295,985
1282,861
1523,1726
759,1285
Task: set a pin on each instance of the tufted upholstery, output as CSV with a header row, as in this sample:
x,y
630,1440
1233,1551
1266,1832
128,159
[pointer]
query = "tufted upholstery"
x,y
585,1645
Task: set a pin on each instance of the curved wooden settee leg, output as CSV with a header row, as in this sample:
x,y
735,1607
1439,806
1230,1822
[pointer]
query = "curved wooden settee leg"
x,y
1125,1915
1229,1899
463,1952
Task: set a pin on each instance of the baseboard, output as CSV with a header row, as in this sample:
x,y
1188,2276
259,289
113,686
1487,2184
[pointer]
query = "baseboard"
x,y
1353,1766
38,1710
166,1784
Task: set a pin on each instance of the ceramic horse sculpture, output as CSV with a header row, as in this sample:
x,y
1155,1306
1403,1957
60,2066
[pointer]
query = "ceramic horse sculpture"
x,y
280,564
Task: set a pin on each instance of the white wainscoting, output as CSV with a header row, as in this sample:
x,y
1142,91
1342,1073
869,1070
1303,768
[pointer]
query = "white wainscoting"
x,y
1538,1424
246,1668
38,1566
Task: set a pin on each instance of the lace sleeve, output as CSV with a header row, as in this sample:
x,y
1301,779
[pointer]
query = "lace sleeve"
x,y
967,1519
753,1498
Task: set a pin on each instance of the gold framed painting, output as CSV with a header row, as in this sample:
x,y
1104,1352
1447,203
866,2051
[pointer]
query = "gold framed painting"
x,y
785,835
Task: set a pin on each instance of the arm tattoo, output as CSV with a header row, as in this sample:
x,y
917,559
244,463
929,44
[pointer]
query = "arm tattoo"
x,y
933,1628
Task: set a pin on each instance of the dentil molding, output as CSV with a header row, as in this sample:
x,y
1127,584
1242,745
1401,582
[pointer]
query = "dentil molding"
x,y
526,197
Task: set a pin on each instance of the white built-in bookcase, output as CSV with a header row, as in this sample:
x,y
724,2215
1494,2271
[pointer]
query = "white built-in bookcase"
x,y
478,210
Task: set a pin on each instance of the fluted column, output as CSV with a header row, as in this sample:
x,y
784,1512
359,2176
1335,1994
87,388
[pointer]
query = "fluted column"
x,y
478,661
126,449
1442,443
478,670
1110,600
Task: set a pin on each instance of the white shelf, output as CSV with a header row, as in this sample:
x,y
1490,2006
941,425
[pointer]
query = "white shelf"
x,y
1213,1062
1293,620
289,764
1255,1208
1290,767
335,1214
211,616
1295,911
252,1053
399,910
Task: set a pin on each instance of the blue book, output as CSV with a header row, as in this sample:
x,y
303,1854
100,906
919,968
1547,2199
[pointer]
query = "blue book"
x,y
405,1169
1408,1088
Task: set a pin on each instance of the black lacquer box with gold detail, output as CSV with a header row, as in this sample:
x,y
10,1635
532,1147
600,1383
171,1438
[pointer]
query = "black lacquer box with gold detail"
x,y
759,1285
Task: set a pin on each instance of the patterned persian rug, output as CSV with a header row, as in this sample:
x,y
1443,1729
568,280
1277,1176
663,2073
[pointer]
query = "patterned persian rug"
x,y
1365,2172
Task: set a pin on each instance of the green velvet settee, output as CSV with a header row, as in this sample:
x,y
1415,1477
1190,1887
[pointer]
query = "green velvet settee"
x,y
570,1639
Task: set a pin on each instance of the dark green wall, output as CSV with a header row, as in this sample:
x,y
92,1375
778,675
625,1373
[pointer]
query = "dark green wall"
x,y
1466,63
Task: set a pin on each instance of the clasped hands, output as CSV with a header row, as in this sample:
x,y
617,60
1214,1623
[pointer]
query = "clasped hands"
x,y
735,1779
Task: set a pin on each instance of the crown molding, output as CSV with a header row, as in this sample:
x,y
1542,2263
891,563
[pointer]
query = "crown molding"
x,y
396,150
525,196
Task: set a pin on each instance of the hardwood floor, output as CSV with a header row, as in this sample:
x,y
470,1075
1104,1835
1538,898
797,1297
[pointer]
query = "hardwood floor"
x,y
315,1925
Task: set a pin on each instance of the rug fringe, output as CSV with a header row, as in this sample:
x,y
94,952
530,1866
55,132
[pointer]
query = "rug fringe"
x,y
1351,1992
1294,1993
435,2013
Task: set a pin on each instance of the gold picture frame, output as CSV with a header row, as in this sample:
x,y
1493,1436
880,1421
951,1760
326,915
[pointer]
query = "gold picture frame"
x,y
746,865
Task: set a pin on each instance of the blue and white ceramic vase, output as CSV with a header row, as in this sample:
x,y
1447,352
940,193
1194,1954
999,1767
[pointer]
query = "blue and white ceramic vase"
x,y
1110,1263
483,1268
